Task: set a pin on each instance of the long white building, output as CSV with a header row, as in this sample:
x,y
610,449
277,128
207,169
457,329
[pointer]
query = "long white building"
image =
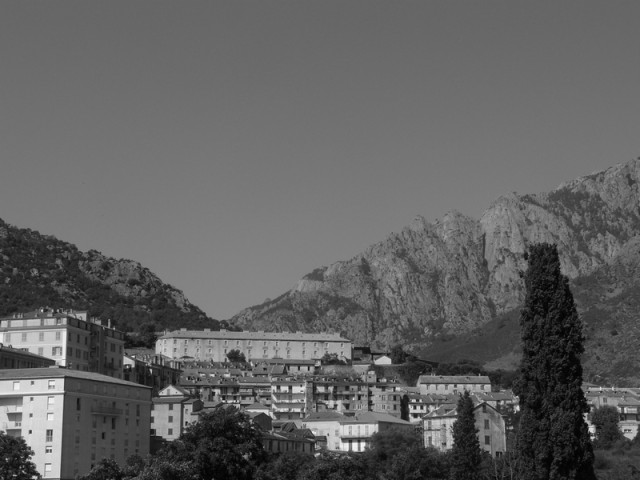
x,y
72,419
208,345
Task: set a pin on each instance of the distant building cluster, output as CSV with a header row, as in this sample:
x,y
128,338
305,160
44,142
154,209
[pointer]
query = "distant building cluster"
x,y
69,387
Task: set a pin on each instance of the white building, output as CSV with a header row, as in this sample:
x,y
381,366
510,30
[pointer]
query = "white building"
x,y
68,337
438,428
72,419
351,433
208,345
446,384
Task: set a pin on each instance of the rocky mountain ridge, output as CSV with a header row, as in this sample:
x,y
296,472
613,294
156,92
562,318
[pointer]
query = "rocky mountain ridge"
x,y
38,270
449,277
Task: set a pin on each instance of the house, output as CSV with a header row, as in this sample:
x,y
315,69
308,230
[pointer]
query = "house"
x,y
172,411
382,360
150,369
438,428
453,384
350,432
72,419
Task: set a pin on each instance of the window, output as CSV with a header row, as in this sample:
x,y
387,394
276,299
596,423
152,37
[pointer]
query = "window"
x,y
47,468
50,417
57,335
487,440
16,386
484,408
486,424
40,351
48,436
170,431
170,419
152,419
48,449
51,401
24,336
41,336
171,406
52,385
7,337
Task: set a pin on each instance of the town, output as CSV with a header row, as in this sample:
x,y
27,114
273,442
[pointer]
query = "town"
x,y
76,395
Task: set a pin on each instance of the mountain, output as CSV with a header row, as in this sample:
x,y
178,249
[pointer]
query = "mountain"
x,y
433,282
38,270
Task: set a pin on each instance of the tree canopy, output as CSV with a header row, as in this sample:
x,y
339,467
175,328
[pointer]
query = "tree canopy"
x,y
553,439
605,419
15,459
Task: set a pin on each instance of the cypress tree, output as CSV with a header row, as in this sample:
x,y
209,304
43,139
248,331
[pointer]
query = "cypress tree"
x,y
466,455
553,439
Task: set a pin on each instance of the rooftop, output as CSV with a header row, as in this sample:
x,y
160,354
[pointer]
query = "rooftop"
x,y
228,335
58,372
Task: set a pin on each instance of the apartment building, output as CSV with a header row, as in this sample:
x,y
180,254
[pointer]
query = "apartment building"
x,y
72,419
152,370
291,397
69,337
213,346
438,428
446,384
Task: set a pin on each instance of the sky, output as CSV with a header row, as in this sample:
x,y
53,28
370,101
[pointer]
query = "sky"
x,y
233,146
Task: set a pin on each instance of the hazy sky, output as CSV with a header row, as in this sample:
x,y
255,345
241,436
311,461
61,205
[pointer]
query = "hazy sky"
x,y
233,146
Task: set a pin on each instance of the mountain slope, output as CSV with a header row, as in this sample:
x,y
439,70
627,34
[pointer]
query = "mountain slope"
x,y
38,270
437,280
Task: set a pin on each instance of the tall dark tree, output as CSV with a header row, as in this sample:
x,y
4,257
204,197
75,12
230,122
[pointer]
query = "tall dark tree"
x,y
466,456
553,439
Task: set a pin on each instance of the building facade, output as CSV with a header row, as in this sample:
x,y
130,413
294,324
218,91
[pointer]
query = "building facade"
x,y
438,428
69,337
14,358
447,384
72,419
208,345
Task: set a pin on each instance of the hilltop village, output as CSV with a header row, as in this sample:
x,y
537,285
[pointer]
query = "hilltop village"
x,y
70,388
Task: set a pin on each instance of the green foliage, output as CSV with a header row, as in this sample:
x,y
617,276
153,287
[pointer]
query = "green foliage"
x,y
15,459
466,456
397,354
105,469
332,359
38,270
236,356
222,444
284,466
605,419
553,440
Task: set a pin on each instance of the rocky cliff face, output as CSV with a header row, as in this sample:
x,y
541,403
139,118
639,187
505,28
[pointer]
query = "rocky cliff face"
x,y
454,275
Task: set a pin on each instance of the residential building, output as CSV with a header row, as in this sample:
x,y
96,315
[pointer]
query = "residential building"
x,y
351,433
214,345
14,358
172,411
150,369
72,419
69,337
291,397
446,384
438,428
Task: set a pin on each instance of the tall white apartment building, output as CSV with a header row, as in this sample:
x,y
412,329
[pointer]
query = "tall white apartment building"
x,y
211,345
68,337
72,419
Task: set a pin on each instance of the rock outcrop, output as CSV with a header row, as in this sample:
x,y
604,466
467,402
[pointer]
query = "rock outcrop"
x,y
456,274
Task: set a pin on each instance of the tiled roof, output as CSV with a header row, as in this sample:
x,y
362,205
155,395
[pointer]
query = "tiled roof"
x,y
57,372
323,416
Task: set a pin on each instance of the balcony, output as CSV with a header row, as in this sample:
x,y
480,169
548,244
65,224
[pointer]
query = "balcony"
x,y
13,409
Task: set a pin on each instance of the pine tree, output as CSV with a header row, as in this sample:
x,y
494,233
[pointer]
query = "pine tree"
x,y
553,440
466,455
